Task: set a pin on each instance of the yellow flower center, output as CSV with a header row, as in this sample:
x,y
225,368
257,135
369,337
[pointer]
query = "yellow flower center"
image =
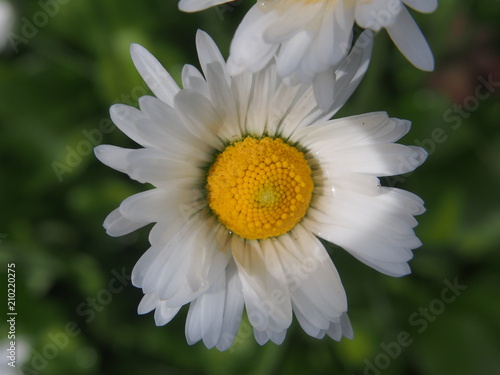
x,y
260,188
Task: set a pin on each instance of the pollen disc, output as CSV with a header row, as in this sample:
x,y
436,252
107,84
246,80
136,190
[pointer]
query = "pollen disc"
x,y
260,188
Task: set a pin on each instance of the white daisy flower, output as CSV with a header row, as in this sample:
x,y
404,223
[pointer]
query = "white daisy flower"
x,y
248,175
309,36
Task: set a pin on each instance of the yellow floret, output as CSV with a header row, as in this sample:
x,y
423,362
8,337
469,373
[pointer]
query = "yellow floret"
x,y
260,188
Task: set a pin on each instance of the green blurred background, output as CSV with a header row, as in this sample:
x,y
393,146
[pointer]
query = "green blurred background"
x,y
76,316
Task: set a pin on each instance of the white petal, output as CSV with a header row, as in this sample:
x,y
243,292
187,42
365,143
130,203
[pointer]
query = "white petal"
x,y
242,88
194,259
193,323
196,5
158,168
404,200
379,160
260,336
424,6
310,328
292,52
224,103
200,117
406,35
154,74
342,29
313,280
264,285
127,119
143,265
351,71
264,336
343,133
116,225
378,230
166,131
375,251
356,182
248,48
193,79
375,14
346,78
164,314
372,215
208,53
303,113
285,98
160,236
113,156
209,260
347,330
171,260
387,268
342,328
261,101
233,308
147,206
287,24
324,85
277,337
204,320
153,127
163,231
148,303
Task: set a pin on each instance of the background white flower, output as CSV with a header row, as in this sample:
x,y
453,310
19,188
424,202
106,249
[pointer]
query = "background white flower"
x,y
196,5
307,37
196,259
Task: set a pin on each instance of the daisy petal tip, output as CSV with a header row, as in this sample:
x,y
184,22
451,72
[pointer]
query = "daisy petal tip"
x,y
188,7
233,68
110,232
99,150
425,62
159,321
138,52
429,67
202,35
225,342
405,123
404,270
116,109
323,87
427,6
134,48
421,154
102,153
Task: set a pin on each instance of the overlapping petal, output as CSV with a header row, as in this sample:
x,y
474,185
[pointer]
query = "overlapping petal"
x,y
309,37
